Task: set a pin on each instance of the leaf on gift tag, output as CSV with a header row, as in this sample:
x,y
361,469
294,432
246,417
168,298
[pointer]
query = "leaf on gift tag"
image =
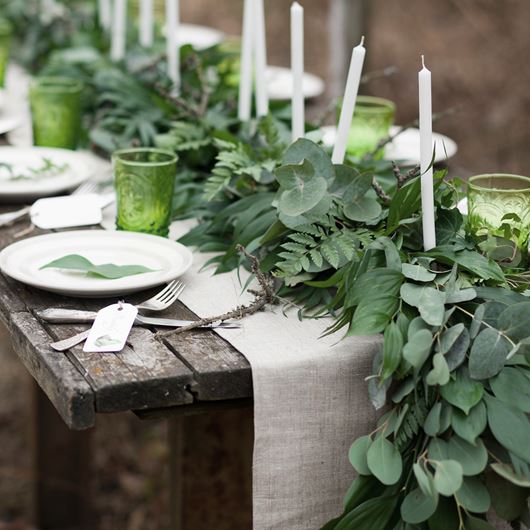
x,y
107,271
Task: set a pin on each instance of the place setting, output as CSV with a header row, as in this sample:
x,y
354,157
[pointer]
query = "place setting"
x,y
179,239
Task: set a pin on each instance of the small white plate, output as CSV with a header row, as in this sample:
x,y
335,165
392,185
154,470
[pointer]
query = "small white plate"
x,y
200,37
280,84
80,168
22,261
406,146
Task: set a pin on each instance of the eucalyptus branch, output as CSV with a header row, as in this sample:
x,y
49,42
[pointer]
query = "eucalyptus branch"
x,y
264,296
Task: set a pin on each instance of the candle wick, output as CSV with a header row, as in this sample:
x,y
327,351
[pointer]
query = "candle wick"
x,y
423,61
362,41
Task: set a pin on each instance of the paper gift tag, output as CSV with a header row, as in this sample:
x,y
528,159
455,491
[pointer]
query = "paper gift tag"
x,y
111,328
68,211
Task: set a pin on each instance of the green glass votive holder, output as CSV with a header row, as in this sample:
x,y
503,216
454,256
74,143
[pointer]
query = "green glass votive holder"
x,y
144,179
371,123
5,44
56,111
499,205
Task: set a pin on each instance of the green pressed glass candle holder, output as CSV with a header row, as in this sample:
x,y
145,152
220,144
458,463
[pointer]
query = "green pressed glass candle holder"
x,y
371,123
5,43
144,180
499,206
56,111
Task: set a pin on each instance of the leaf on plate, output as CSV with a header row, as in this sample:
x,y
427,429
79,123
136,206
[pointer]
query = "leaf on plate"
x,y
108,271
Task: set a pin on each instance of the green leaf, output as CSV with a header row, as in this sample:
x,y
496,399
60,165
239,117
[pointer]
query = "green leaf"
x,y
358,453
457,354
508,472
417,273
384,461
417,507
462,392
448,224
509,426
373,283
463,295
472,458
448,477
303,189
304,149
429,301
392,349
425,481
418,348
373,513
432,422
512,387
474,523
439,375
373,315
514,321
473,495
438,449
405,203
508,500
476,323
446,515
362,209
488,354
108,271
471,426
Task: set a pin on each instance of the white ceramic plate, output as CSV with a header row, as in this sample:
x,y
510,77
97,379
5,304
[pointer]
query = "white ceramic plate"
x,y
22,261
406,147
200,37
80,168
280,84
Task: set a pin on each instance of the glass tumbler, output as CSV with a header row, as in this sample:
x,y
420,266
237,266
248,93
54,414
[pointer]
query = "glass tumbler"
x,y
144,179
5,43
56,111
493,196
371,123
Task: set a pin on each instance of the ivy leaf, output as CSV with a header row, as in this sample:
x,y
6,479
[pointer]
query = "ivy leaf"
x,y
417,507
417,349
429,301
488,354
107,271
462,392
357,455
472,458
392,350
473,495
417,273
448,477
448,224
509,426
471,426
439,375
384,461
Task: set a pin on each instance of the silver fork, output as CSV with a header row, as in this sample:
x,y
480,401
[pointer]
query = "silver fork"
x,y
160,301
9,217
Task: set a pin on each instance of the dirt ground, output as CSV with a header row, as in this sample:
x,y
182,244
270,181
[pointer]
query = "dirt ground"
x,y
478,53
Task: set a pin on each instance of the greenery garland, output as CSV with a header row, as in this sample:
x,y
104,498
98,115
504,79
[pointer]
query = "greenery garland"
x,y
453,373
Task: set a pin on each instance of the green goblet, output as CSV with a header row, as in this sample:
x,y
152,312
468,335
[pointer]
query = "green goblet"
x,y
371,123
499,206
5,43
56,111
144,180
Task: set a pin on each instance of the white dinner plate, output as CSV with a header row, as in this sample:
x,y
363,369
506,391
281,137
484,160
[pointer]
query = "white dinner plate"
x,y
406,146
280,84
22,261
200,37
79,167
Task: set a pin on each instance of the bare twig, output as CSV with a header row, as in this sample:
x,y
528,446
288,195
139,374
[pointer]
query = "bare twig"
x,y
403,178
380,191
265,295
377,74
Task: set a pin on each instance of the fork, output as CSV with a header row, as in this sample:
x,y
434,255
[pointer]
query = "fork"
x,y
9,217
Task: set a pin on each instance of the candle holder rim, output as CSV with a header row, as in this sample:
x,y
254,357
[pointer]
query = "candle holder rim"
x,y
383,104
473,186
172,157
69,84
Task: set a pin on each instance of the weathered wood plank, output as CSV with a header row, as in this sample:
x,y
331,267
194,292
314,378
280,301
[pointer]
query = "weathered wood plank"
x,y
64,385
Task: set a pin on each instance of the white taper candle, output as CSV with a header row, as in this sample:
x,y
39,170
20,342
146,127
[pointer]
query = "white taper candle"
x,y
172,42
426,154
348,103
104,13
297,70
247,50
262,98
119,30
146,23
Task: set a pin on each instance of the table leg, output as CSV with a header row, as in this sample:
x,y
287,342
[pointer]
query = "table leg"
x,y
62,470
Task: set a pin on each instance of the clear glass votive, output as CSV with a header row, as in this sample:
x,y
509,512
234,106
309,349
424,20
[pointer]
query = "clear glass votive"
x,y
371,123
493,196
5,43
56,111
144,180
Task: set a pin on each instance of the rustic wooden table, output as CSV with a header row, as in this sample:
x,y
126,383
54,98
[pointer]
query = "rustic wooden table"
x,y
180,375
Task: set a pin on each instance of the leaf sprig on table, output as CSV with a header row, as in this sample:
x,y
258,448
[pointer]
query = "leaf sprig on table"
x,y
47,169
